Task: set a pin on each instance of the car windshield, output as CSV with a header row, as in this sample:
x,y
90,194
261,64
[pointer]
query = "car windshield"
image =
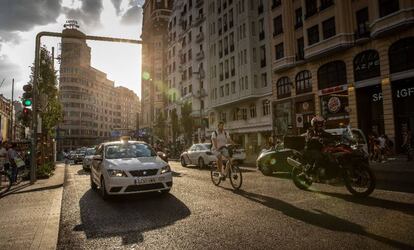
x,y
127,150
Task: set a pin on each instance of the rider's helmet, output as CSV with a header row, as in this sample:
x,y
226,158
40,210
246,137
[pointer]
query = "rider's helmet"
x,y
317,122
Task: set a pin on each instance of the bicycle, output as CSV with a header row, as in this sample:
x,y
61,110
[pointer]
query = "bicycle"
x,y
5,182
233,171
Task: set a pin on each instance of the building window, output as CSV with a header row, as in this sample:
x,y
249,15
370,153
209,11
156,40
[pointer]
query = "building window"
x,y
332,74
227,89
279,51
313,35
301,49
263,56
264,80
222,91
261,30
223,116
298,20
277,25
387,7
328,27
400,55
266,107
253,113
362,23
303,82
276,3
233,87
283,87
311,8
325,4
366,65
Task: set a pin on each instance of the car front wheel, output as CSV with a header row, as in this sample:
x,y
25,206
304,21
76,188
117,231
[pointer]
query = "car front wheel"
x,y
201,163
183,162
104,194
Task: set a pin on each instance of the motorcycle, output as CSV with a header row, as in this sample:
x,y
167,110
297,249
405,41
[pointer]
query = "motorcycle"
x,y
342,161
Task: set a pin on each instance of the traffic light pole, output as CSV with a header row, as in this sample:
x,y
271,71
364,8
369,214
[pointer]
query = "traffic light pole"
x,y
35,85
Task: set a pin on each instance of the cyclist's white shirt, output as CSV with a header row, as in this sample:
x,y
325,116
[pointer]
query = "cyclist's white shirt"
x,y
222,138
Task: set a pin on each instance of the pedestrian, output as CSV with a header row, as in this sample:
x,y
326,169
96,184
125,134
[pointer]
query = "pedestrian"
x,y
382,148
3,155
12,155
406,145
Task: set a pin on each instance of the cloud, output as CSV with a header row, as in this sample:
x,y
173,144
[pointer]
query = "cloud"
x,y
117,5
23,15
88,14
8,36
132,16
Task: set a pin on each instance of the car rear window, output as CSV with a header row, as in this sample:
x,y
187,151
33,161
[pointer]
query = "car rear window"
x,y
126,150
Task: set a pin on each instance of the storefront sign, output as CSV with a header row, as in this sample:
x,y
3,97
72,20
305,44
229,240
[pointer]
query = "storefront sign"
x,y
377,97
334,104
335,89
406,92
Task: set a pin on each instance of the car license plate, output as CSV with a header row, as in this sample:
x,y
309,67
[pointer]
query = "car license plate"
x,y
140,181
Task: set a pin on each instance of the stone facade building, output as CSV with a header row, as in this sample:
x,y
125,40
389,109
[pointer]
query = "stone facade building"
x,y
349,61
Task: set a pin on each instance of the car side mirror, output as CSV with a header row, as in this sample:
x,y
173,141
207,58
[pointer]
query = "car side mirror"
x,y
97,157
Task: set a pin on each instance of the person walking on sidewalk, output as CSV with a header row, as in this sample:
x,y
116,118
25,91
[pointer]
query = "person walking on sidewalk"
x,y
406,145
3,155
12,155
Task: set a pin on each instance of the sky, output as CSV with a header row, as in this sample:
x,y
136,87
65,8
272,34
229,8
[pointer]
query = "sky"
x,y
21,20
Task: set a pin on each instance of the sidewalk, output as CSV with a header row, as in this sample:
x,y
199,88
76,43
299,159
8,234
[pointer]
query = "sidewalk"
x,y
30,214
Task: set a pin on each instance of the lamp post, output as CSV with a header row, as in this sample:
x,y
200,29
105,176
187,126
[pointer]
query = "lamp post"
x,y
36,76
201,94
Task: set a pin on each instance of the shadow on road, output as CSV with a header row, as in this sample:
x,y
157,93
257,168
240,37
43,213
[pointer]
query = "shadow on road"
x,y
374,202
128,217
82,172
318,218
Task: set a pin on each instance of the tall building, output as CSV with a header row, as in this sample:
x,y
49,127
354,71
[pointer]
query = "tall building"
x,y
154,61
5,112
130,108
187,60
239,70
92,106
349,61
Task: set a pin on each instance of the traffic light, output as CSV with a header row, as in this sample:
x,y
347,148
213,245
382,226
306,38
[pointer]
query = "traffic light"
x,y
27,95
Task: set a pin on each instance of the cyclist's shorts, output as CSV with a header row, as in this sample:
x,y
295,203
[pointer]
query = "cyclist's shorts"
x,y
224,152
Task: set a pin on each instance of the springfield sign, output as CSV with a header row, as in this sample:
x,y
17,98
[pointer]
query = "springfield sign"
x,y
405,92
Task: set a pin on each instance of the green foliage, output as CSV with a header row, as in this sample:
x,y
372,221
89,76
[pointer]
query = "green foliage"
x,y
45,170
187,121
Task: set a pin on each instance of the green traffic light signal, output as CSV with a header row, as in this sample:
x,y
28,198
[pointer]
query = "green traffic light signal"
x,y
27,102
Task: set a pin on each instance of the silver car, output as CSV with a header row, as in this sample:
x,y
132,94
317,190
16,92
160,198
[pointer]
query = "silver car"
x,y
126,167
87,160
198,154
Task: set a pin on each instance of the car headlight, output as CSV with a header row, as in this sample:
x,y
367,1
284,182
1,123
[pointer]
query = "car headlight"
x,y
165,169
116,173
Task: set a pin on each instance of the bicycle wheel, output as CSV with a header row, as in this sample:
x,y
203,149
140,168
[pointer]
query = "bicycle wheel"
x,y
236,178
5,182
215,175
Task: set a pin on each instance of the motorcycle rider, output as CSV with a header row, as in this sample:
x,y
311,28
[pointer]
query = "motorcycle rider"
x,y
314,142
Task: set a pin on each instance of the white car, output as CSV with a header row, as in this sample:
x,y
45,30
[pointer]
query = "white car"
x,y
127,167
198,154
239,154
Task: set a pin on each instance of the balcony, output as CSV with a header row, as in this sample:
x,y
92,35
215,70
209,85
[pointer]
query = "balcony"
x,y
283,64
330,45
200,55
393,22
200,37
199,20
160,15
199,3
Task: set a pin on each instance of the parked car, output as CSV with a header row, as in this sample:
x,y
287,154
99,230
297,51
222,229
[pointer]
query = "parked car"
x,y
198,154
87,160
126,167
79,155
239,153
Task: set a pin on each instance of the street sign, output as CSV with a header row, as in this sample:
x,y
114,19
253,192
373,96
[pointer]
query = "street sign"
x,y
299,120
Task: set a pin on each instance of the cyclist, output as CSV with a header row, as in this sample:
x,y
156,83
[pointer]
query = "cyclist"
x,y
219,139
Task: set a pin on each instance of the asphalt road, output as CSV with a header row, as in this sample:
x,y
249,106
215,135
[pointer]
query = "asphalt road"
x,y
269,213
